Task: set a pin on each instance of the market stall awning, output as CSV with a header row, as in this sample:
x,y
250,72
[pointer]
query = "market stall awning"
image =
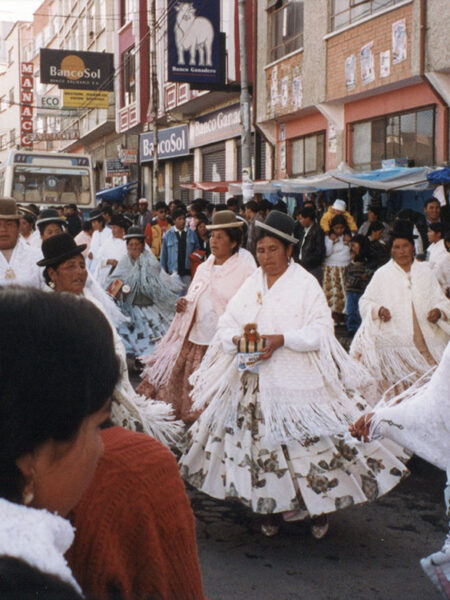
x,y
396,178
323,181
231,187
117,193
439,176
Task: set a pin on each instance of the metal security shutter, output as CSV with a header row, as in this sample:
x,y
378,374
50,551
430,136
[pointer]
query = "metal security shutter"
x,y
183,172
260,161
213,158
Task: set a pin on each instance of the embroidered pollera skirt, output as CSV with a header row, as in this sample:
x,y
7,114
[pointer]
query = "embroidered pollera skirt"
x,y
323,475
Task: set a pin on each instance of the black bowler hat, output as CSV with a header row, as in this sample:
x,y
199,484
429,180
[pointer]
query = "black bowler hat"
x,y
119,221
403,229
95,214
280,225
59,248
134,232
50,215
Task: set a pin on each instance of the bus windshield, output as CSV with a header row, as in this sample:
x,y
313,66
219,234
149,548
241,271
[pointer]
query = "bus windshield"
x,y
46,178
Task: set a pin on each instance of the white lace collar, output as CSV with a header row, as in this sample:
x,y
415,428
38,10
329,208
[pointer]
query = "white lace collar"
x,y
37,537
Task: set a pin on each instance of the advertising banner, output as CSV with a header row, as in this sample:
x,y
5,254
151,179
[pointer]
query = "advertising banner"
x,y
85,99
26,108
215,126
76,70
172,142
194,42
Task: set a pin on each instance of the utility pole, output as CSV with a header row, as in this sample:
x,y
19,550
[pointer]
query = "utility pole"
x,y
246,175
154,95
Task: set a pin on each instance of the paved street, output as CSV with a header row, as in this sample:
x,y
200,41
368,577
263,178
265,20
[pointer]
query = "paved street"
x,y
370,553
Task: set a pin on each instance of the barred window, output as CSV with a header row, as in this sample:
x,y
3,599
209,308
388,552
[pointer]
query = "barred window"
x,y
285,26
346,12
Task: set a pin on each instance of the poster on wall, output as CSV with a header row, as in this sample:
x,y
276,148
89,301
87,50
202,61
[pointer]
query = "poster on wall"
x,y
332,141
399,40
297,91
367,63
283,157
284,91
274,88
350,72
385,63
193,42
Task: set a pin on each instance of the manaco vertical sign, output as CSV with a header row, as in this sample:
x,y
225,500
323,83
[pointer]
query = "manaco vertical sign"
x,y
194,42
26,103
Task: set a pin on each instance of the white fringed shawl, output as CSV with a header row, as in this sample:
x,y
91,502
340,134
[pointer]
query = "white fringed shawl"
x,y
420,418
387,348
304,392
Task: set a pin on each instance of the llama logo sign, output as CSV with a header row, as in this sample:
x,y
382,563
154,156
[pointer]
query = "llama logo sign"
x,y
193,42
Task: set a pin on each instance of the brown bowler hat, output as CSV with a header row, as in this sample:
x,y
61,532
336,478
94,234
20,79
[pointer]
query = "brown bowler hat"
x,y
8,209
224,219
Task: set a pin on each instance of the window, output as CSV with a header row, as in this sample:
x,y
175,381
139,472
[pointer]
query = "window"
x,y
346,12
286,27
11,97
126,11
102,14
129,77
408,136
308,155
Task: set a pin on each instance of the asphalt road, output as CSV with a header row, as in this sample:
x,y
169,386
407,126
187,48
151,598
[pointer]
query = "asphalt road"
x,y
371,552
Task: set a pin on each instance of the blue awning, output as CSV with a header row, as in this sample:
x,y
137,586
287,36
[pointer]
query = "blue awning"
x,y
439,176
117,193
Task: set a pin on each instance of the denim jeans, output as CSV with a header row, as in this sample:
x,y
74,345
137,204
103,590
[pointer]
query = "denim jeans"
x,y
353,317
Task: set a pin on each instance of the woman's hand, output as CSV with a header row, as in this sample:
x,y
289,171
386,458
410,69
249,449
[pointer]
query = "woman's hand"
x,y
347,238
434,315
112,261
181,305
333,237
90,256
273,342
361,428
384,314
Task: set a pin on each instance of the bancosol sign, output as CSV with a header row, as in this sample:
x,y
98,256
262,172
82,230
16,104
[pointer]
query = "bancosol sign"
x,y
172,142
74,70
194,42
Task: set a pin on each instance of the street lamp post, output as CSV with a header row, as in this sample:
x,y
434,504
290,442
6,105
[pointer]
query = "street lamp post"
x,y
246,175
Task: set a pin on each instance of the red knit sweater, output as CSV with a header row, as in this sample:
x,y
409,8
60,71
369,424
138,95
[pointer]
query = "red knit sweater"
x,y
135,532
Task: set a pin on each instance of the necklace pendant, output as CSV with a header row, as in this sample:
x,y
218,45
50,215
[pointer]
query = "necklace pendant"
x,y
9,274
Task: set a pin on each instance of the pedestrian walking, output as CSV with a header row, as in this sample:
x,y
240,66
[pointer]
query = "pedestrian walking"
x,y
337,258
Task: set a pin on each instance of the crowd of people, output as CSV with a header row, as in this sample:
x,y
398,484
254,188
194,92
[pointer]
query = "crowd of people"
x,y
229,314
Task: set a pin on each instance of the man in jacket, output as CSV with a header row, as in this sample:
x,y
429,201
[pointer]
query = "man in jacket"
x,y
178,243
311,243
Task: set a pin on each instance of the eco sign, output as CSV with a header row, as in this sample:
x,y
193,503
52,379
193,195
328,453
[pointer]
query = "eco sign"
x,y
74,70
172,142
194,42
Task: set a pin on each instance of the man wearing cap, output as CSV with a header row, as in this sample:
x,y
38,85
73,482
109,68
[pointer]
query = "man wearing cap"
x,y
338,207
17,259
178,243
145,216
99,237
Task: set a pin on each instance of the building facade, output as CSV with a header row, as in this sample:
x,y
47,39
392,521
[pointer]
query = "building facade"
x,y
358,83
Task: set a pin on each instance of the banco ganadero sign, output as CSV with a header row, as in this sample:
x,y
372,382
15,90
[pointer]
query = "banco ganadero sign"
x,y
73,70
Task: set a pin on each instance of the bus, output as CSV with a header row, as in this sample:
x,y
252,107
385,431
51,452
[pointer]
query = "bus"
x,y
48,179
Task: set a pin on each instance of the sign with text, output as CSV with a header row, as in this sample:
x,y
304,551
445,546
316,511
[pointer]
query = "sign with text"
x,y
172,142
26,108
194,42
115,168
215,126
76,70
51,136
85,99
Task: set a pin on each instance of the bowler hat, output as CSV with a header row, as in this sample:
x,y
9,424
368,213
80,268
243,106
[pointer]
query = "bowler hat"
x,y
8,209
50,215
280,225
134,232
224,219
403,229
95,214
59,248
120,221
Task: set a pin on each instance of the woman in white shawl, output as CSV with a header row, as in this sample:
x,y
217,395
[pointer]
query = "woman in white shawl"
x,y
112,250
405,317
65,271
144,297
420,420
272,439
167,372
